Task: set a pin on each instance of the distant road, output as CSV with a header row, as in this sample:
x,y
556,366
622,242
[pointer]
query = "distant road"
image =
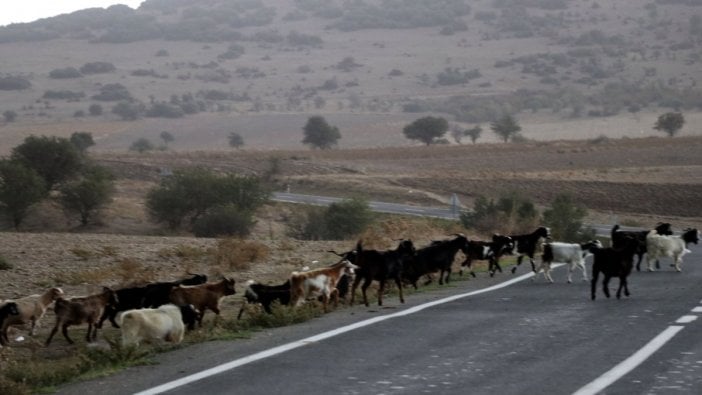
x,y
403,209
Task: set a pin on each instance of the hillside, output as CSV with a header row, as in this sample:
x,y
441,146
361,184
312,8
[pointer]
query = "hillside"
x,y
203,69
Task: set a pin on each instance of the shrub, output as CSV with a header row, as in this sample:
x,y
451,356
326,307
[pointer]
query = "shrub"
x,y
63,95
20,188
339,221
128,111
10,116
164,110
5,264
87,194
55,159
565,218
113,92
95,109
509,213
68,72
14,83
141,145
227,220
235,253
97,68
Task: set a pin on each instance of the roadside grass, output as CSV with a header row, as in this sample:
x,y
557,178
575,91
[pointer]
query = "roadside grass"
x,y
32,368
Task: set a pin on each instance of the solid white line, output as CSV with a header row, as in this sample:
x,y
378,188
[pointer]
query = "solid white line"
x,y
630,363
322,336
686,319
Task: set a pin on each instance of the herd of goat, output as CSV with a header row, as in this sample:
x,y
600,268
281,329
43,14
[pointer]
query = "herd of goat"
x,y
163,310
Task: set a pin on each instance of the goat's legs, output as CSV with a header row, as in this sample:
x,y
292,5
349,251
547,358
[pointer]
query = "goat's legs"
x,y
356,281
364,287
593,283
519,262
494,266
622,285
381,290
605,285
398,282
51,335
64,331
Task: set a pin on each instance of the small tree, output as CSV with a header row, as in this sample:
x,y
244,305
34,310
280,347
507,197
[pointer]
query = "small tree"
x,y
319,134
87,194
347,218
565,218
141,145
20,188
95,109
474,133
10,116
427,129
506,128
235,140
167,137
82,141
670,122
54,158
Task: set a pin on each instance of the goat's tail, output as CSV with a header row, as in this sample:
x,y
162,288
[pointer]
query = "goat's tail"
x,y
359,246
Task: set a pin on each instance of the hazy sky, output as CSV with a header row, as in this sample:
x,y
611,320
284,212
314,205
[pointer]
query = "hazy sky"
x,y
14,11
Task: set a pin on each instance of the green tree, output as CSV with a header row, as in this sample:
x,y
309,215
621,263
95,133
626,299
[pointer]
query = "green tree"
x,y
227,220
235,140
82,140
670,122
506,128
167,137
20,188
128,111
474,133
511,212
427,129
88,193
55,159
565,218
141,145
319,134
191,193
95,109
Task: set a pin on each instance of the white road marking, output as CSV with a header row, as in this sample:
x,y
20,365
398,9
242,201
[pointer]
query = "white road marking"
x,y
629,364
325,335
686,319
697,309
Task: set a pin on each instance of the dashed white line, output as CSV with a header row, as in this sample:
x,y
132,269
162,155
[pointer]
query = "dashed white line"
x,y
686,319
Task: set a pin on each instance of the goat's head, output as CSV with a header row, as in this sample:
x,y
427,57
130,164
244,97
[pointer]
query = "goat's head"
x,y
12,308
406,247
111,296
543,231
229,286
348,267
591,245
502,244
664,228
691,235
55,293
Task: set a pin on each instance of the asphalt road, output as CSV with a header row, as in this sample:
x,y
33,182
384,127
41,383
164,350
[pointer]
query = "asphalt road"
x,y
527,337
446,212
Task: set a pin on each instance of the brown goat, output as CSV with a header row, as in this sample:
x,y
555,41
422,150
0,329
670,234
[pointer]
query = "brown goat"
x,y
77,311
203,296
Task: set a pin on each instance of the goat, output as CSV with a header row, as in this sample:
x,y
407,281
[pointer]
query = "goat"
x,y
31,310
526,245
158,294
374,265
129,298
437,256
162,323
573,254
318,282
618,237
203,296
6,310
613,262
659,246
486,250
76,311
266,295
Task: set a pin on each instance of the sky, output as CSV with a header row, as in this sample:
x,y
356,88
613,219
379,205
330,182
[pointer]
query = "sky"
x,y
16,11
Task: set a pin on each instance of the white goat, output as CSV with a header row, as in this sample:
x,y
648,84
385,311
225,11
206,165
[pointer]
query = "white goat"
x,y
570,253
31,308
658,246
162,323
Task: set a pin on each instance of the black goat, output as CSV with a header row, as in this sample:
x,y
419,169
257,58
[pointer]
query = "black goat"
x,y
266,295
7,309
490,251
128,298
613,262
437,256
619,237
380,266
526,245
158,294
